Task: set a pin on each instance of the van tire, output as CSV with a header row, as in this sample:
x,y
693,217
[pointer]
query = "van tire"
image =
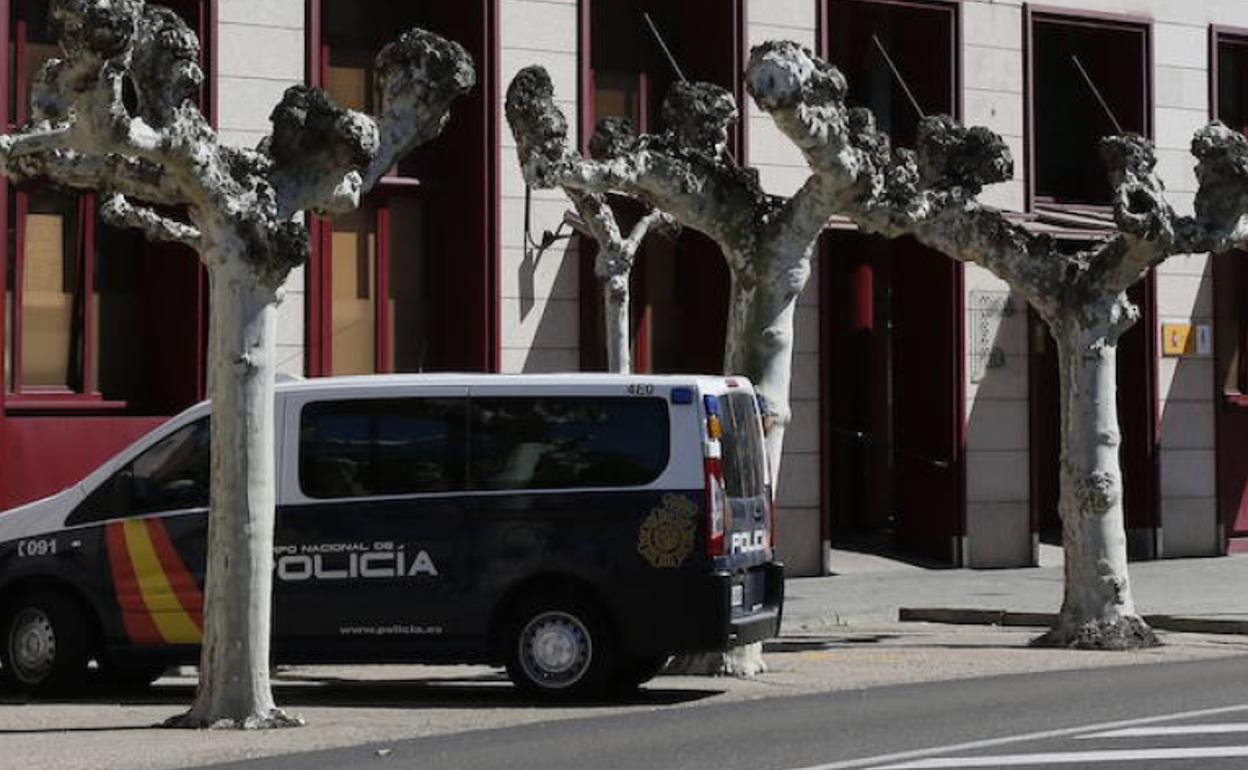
x,y
560,647
45,643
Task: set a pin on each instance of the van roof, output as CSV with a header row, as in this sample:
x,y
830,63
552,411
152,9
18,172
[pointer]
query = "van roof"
x,y
312,384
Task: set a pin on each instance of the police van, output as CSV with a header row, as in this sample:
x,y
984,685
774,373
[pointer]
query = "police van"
x,y
578,529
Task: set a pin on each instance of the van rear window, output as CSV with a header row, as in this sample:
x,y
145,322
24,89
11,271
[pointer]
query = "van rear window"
x,y
744,453
382,447
562,442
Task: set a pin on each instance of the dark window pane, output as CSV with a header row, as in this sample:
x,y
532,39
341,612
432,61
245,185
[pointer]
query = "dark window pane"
x,y
171,475
412,288
920,41
743,454
1069,120
382,447
1233,83
558,443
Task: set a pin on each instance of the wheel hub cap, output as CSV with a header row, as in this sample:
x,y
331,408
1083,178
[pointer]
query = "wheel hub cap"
x,y
555,649
32,645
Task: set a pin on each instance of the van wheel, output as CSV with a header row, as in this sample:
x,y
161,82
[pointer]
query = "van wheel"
x,y
635,672
560,647
46,644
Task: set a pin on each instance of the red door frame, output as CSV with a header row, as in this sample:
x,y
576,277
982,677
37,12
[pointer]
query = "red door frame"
x,y
1230,405
487,351
1140,412
862,316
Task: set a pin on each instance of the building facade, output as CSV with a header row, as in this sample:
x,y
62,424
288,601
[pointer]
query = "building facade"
x,y
924,393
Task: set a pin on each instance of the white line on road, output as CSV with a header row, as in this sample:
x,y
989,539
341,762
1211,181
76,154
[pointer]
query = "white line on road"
x,y
1073,758
902,756
1156,732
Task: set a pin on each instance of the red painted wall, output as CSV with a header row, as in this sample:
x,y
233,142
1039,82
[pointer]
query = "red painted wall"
x,y
43,455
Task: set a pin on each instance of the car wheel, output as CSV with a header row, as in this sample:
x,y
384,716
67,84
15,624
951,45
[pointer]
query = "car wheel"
x,y
635,672
46,644
560,648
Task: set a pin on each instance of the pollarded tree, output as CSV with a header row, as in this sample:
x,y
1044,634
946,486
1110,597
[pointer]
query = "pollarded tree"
x,y
686,173
116,115
930,193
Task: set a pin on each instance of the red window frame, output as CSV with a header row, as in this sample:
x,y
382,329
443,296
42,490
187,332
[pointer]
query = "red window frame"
x,y
393,183
950,8
485,352
1038,14
14,394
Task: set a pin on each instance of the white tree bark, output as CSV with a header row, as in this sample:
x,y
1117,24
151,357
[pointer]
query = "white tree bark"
x,y
243,207
237,604
613,268
1097,610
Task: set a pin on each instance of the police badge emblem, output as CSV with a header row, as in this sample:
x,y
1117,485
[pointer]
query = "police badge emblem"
x,y
666,536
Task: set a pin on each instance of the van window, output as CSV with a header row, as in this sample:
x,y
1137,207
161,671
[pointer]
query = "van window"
x,y
564,442
171,475
382,447
745,457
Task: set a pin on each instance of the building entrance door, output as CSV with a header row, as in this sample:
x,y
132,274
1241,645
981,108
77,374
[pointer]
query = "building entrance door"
x,y
894,425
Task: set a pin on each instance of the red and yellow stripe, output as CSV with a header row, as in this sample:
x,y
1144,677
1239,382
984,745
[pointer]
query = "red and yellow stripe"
x,y
160,603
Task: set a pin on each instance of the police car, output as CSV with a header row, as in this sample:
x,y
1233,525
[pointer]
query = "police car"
x,y
578,529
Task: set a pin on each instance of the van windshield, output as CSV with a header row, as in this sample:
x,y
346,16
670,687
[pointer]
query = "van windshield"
x,y
744,459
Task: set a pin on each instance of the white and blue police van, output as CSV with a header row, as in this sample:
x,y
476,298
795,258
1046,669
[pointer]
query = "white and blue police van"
x,y
578,529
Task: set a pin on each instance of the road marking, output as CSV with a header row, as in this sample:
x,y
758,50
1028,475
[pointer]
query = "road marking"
x,y
1073,758
902,756
1155,732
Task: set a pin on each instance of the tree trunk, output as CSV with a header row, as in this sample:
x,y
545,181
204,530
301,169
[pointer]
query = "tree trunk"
x,y
615,310
234,689
759,345
1097,610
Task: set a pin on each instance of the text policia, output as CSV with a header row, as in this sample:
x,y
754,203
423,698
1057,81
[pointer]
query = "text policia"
x,y
351,561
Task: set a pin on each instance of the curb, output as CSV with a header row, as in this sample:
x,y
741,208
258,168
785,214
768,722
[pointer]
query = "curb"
x,y
977,617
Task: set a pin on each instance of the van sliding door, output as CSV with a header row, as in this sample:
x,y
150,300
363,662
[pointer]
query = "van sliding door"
x,y
368,549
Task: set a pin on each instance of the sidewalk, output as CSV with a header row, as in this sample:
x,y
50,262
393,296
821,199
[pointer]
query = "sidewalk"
x,y
1209,594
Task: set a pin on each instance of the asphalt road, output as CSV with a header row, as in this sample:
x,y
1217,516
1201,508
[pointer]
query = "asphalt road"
x,y
1182,715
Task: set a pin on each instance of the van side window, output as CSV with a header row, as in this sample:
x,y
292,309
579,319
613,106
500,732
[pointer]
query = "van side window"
x,y
171,475
563,442
395,446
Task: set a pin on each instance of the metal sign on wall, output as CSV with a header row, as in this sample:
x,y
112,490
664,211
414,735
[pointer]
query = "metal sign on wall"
x,y
986,309
1186,339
